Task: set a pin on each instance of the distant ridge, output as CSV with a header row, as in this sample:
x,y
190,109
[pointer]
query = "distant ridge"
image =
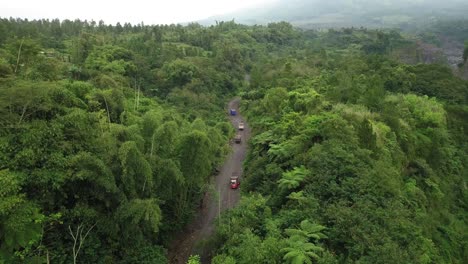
x,y
341,13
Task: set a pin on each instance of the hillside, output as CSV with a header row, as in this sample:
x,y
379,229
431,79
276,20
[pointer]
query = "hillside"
x,y
345,13
355,158
111,137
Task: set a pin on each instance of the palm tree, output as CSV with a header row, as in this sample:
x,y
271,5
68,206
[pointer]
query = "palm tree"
x,y
292,179
300,250
278,152
308,230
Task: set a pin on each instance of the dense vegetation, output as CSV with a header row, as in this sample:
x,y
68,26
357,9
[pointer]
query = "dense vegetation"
x,y
355,158
109,136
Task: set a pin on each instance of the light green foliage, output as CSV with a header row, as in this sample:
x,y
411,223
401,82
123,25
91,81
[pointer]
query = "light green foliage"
x,y
223,259
419,111
112,59
199,125
292,179
422,125
305,100
194,260
299,251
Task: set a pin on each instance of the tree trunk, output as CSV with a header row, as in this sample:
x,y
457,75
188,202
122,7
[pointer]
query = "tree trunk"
x,y
19,54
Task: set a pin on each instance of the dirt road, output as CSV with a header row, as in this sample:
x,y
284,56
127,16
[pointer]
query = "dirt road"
x,y
213,205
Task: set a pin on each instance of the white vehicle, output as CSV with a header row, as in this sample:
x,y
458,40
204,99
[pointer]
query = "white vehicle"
x,y
241,125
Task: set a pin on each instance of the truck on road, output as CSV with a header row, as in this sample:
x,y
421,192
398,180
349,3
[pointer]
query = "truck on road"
x,y
238,139
241,125
234,181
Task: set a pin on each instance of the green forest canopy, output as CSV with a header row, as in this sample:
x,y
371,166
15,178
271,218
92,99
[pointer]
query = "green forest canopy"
x,y
110,134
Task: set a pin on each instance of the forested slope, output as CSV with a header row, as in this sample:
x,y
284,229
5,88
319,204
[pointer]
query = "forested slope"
x,y
355,158
110,134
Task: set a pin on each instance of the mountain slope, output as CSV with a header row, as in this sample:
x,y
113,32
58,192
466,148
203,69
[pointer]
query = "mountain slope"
x,y
338,13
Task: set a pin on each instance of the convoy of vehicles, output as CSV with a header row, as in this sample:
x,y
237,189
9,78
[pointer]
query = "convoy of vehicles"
x,y
234,179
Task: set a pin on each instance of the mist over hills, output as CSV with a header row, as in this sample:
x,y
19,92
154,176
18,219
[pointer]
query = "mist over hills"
x,y
340,13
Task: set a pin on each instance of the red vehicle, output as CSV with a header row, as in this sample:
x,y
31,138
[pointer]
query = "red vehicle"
x,y
234,182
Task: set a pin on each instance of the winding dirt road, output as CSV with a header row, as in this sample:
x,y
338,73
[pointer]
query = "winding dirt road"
x,y
202,227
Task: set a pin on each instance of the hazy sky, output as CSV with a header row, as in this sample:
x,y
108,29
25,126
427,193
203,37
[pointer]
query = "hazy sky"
x,y
134,11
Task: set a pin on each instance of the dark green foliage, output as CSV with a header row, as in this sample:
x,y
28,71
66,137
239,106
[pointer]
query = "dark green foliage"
x,y
146,255
438,81
20,219
366,135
